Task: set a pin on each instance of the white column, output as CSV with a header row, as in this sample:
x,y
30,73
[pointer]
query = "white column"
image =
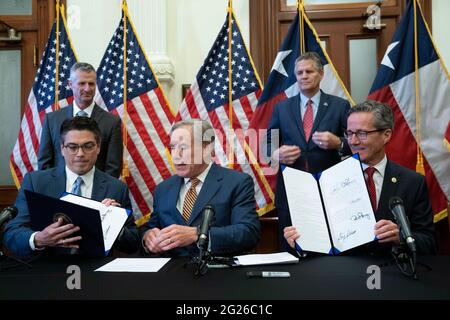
x,y
149,19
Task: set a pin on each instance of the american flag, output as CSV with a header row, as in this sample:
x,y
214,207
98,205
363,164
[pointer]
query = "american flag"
x,y
208,99
148,117
41,100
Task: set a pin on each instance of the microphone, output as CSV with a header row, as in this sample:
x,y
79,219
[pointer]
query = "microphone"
x,y
208,214
398,210
7,214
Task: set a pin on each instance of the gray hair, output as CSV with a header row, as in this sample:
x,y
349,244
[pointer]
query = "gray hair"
x,y
83,67
382,113
207,132
314,56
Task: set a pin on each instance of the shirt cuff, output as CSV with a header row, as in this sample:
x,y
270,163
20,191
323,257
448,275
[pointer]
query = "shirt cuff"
x,y
31,243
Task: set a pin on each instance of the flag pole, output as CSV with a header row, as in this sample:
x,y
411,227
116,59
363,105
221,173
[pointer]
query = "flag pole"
x,y
419,164
230,84
300,25
125,171
56,104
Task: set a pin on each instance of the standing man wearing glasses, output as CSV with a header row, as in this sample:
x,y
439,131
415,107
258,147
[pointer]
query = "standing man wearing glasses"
x,y
309,128
83,84
369,129
80,145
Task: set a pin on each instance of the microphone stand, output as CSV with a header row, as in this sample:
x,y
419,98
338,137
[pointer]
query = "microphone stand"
x,y
405,259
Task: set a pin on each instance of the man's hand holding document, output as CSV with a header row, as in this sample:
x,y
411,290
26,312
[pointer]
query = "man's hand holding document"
x,y
112,218
331,210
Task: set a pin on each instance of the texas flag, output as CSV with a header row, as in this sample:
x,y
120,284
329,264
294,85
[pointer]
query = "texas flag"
x,y
419,97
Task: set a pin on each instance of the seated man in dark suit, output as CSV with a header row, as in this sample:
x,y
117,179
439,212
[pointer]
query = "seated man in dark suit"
x,y
177,210
83,83
80,146
369,129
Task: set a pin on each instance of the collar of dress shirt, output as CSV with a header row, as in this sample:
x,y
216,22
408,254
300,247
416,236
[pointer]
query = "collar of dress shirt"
x,y
315,99
88,178
201,177
380,166
88,110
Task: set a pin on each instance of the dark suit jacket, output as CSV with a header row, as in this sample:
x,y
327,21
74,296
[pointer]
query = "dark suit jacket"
x,y
235,228
111,150
331,116
52,182
411,187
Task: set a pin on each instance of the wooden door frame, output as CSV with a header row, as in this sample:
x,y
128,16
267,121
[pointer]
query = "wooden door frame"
x,y
40,23
263,25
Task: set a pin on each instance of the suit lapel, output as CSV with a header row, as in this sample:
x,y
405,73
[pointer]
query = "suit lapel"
x,y
59,181
69,112
294,108
97,113
98,187
209,189
321,111
390,184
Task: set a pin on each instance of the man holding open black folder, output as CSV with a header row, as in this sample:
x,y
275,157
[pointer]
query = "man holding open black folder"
x,y
370,126
80,146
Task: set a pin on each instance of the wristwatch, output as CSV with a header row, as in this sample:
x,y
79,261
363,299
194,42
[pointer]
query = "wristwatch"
x,y
341,148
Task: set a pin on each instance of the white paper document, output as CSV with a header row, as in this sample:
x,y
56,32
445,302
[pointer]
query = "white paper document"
x,y
261,259
134,265
346,202
112,218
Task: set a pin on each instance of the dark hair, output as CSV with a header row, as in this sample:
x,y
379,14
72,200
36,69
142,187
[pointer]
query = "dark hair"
x,y
82,66
382,113
80,124
314,56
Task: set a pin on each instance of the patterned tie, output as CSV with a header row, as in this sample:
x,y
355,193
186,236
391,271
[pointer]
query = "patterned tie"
x,y
82,113
189,200
308,120
371,187
76,188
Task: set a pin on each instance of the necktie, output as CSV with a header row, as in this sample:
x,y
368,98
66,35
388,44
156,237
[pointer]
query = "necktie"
x,y
308,120
76,188
371,187
190,198
82,113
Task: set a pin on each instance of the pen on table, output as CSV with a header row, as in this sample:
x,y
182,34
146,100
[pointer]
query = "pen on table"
x,y
268,274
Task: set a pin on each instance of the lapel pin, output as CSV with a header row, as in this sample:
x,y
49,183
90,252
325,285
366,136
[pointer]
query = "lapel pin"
x,y
325,104
394,180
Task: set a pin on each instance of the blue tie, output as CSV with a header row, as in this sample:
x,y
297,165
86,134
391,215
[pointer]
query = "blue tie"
x,y
82,113
76,188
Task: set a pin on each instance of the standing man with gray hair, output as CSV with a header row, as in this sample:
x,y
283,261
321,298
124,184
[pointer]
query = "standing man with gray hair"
x,y
310,128
83,84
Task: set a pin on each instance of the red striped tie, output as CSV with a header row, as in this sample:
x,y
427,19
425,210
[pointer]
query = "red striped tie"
x,y
371,187
189,200
308,120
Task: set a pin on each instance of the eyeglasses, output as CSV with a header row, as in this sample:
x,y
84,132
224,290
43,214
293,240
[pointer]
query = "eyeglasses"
x,y
88,147
362,135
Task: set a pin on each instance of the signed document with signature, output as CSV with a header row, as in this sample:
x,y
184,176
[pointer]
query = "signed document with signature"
x,y
331,210
112,218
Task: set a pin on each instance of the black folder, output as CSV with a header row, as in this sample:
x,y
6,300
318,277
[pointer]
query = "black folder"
x,y
45,210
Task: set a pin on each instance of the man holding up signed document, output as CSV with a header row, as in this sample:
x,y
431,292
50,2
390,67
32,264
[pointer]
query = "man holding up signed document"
x,y
80,146
369,128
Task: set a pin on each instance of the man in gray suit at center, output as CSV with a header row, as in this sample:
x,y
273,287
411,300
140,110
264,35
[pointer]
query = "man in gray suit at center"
x,y
83,84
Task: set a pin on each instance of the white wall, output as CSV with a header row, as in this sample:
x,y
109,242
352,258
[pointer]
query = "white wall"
x,y
441,27
192,26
